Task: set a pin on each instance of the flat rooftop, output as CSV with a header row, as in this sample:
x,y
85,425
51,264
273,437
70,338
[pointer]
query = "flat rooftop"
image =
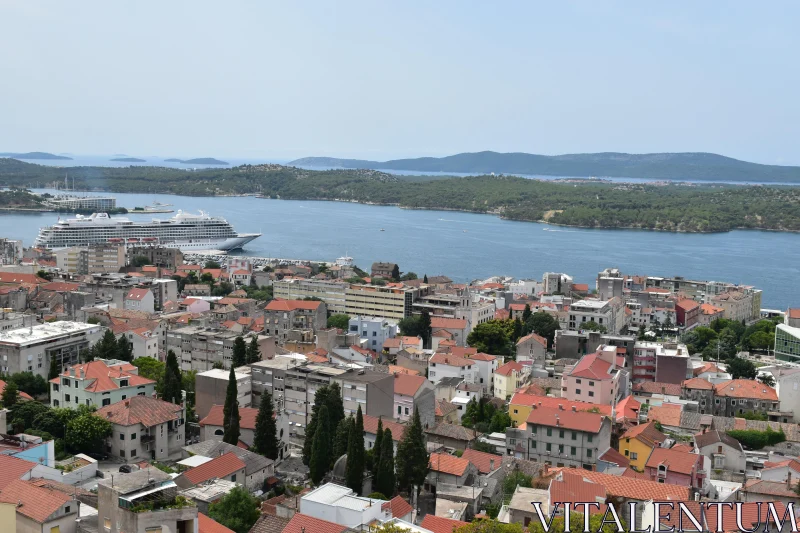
x,y
210,491
46,332
589,304
218,373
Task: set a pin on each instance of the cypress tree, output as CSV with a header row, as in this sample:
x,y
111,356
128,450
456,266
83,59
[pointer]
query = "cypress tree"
x,y
320,399
376,450
54,368
386,477
253,353
335,407
107,346
425,328
239,357
425,279
342,437
412,457
265,437
527,313
124,349
230,412
320,449
354,476
171,390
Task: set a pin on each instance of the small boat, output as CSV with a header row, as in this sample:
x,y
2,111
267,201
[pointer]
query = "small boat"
x,y
383,229
159,204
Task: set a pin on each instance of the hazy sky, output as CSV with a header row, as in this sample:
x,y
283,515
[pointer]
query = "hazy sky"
x,y
395,79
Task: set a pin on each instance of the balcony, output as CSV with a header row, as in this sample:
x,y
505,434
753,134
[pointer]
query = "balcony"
x,y
144,439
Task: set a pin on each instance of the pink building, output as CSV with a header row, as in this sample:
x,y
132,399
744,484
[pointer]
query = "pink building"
x,y
597,378
676,467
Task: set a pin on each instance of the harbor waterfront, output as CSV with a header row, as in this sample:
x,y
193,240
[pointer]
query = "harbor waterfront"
x,y
467,246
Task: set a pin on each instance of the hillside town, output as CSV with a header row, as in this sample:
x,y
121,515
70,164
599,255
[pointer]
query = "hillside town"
x,y
148,390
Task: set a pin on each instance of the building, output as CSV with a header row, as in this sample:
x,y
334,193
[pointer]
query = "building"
x,y
387,301
10,251
226,466
371,431
211,387
212,424
199,348
98,383
787,342
170,258
96,204
31,349
414,392
138,299
384,270
759,490
687,313
739,396
723,451
38,509
660,362
609,314
597,378
638,442
451,436
521,405
676,467
457,327
283,316
741,303
97,259
486,365
330,292
257,468
373,331
610,283
561,437
145,428
164,290
700,391
449,469
532,348
509,377
120,497
444,365
341,505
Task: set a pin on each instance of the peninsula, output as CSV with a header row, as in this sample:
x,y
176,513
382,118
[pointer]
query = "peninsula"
x,y
197,161
35,155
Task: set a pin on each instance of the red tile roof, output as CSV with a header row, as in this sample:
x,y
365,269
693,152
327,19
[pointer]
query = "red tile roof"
x,y
656,387
771,488
22,394
794,312
400,507
666,414
408,385
628,408
437,524
371,426
136,294
443,407
209,525
591,366
394,369
450,359
140,410
501,314
745,388
448,464
698,383
572,487
462,351
481,357
37,503
438,322
633,488
482,460
101,377
612,456
566,419
12,468
247,417
13,277
530,400
687,305
675,460
707,367
394,342
60,286
216,468
302,523
645,433
292,305
507,368
533,336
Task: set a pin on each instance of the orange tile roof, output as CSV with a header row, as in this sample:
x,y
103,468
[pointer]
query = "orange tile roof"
x,y
529,400
686,304
217,468
394,369
591,366
572,487
482,460
448,464
628,408
707,367
675,460
140,410
60,286
612,456
507,368
450,359
566,419
745,388
394,342
462,351
37,503
708,309
443,408
12,468
209,525
22,394
408,385
771,488
438,322
657,387
136,294
633,488
698,383
302,523
533,336
247,417
668,415
100,377
645,433
581,287
437,524
501,314
292,305
447,342
400,507
410,340
13,277
481,357
316,358
793,312
371,426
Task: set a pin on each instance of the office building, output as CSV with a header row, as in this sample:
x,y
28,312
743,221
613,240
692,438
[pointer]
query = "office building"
x,y
198,348
97,259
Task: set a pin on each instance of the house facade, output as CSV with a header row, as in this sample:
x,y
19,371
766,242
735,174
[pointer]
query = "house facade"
x,y
98,383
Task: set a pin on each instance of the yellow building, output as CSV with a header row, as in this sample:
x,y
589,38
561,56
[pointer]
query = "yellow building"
x,y
507,378
637,443
8,515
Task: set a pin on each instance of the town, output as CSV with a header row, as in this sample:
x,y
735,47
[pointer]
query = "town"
x,y
148,390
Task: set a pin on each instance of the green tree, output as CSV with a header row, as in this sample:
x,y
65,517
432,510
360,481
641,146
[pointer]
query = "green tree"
x,y
490,337
171,389
740,368
239,357
513,480
499,422
139,261
320,399
412,456
87,433
767,379
699,338
223,289
354,474
410,326
377,448
482,446
544,324
44,275
54,420
207,278
593,326
238,510
396,273
124,349
425,329
761,341
30,383
212,265
493,526
54,370
10,396
385,479
253,353
342,437
321,448
408,276
527,313
265,436
230,412
425,279
151,368
24,413
339,320
107,346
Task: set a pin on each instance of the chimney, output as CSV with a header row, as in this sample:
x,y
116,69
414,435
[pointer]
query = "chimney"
x,y
561,407
491,464
574,409
789,480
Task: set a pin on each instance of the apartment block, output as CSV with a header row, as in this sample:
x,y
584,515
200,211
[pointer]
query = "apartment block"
x,y
385,302
661,362
211,387
198,348
281,317
330,292
99,259
610,314
157,255
598,378
31,349
373,331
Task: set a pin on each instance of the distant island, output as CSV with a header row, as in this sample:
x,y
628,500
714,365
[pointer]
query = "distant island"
x,y
35,155
129,160
694,166
198,161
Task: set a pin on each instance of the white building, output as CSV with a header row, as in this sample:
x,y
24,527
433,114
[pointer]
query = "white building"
x,y
342,506
443,365
31,349
610,314
373,331
485,365
98,383
525,287
139,300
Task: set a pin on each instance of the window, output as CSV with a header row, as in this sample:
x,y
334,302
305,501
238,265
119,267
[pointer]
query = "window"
x,y
549,447
627,453
578,381
588,452
56,529
399,409
55,403
549,432
591,383
577,391
124,396
233,478
574,436
133,452
591,393
122,436
572,450
560,448
66,509
634,456
65,382
66,397
122,453
560,433
590,438
106,401
406,410
533,444
133,436
516,411
55,387
106,522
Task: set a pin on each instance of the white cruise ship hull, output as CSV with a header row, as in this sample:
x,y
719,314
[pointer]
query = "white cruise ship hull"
x,y
227,245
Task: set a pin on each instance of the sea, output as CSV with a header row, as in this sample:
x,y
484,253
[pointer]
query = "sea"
x,y
469,246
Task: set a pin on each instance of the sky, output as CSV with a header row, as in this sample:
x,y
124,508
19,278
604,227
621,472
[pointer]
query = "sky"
x,y
381,80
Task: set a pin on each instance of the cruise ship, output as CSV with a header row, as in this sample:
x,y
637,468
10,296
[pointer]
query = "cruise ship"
x,y
185,231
